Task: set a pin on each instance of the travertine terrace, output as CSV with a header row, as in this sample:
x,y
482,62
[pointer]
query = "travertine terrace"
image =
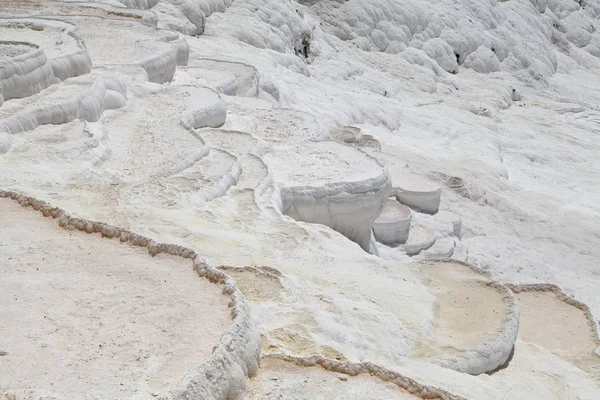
x,y
256,199
92,314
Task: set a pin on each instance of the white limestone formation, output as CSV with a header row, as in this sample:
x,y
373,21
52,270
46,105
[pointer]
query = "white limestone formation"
x,y
28,72
445,223
392,227
187,16
331,184
107,92
205,124
142,4
247,78
157,51
25,70
416,191
460,252
419,238
442,248
222,82
448,216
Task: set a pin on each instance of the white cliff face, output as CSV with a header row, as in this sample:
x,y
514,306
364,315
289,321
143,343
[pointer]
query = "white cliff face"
x,y
388,191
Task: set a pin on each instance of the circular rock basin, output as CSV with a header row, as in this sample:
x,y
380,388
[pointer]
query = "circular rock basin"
x,y
88,317
416,191
475,319
566,332
393,225
51,38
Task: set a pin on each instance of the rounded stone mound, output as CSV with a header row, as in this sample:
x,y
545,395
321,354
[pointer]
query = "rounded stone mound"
x,y
393,225
419,238
416,192
84,316
279,379
331,184
442,248
475,319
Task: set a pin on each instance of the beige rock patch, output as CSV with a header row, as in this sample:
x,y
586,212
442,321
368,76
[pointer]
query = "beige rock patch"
x,y
84,316
256,284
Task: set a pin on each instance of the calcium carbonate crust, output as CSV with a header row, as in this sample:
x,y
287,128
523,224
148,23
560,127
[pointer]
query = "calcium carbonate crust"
x,y
107,92
32,72
185,16
393,230
256,152
448,33
496,351
248,82
353,369
162,65
236,357
112,12
212,115
25,74
159,60
347,207
427,201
